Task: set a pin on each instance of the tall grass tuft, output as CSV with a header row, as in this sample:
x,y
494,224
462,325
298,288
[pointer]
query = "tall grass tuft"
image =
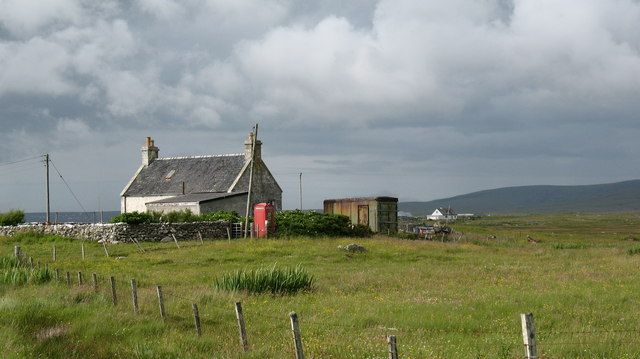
x,y
633,251
272,280
14,272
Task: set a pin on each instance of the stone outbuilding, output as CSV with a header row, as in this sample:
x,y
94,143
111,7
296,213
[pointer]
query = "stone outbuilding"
x,y
379,213
199,183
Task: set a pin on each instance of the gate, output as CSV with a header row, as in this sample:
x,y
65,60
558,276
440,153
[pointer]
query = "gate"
x,y
236,230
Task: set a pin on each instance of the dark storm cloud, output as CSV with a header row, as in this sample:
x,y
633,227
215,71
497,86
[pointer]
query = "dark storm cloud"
x,y
418,98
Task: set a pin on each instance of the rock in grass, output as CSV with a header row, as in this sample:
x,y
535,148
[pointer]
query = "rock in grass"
x,y
532,240
353,248
52,332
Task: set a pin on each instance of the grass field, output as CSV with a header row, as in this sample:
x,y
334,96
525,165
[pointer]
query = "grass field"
x,y
459,299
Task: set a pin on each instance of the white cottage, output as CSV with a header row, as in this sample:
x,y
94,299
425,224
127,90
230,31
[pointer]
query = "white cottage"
x,y
443,214
199,183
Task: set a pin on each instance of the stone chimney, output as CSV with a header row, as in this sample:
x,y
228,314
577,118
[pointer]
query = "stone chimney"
x,y
247,147
149,152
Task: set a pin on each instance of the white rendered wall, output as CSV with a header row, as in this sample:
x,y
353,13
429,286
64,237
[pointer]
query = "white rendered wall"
x,y
131,204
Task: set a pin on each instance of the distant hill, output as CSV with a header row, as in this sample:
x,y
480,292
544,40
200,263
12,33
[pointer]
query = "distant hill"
x,y
610,197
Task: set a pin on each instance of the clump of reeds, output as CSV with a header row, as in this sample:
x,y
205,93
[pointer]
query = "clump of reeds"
x,y
633,251
273,280
15,272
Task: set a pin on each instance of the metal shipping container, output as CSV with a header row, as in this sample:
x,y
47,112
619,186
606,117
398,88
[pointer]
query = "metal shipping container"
x,y
379,213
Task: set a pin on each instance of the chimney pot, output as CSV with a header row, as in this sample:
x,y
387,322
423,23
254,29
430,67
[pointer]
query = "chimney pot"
x,y
248,143
149,152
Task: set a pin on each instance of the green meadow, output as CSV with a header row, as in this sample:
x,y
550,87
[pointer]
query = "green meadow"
x,y
461,298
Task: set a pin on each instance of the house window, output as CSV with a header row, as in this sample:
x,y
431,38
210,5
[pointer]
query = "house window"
x,y
169,175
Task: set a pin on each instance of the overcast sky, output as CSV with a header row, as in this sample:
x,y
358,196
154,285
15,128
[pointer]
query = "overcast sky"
x,y
419,99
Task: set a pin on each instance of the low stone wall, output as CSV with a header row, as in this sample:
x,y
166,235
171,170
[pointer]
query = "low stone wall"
x,y
122,232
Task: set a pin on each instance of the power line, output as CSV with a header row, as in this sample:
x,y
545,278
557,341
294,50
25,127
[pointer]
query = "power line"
x,y
21,168
68,187
18,161
21,164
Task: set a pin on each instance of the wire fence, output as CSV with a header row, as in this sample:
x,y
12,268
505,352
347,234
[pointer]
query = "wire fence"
x,y
192,309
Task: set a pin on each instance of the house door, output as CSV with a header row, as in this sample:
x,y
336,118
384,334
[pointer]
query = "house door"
x,y
363,215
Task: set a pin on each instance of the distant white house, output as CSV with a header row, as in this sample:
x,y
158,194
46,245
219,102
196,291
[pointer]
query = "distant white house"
x,y
441,213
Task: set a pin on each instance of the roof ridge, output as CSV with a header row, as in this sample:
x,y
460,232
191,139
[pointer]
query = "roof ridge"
x,y
201,156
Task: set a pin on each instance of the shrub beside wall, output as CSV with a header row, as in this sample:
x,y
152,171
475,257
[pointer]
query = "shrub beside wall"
x,y
133,218
11,218
308,223
185,216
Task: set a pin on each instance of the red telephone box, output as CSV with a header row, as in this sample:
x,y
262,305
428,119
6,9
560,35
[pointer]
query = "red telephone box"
x,y
264,219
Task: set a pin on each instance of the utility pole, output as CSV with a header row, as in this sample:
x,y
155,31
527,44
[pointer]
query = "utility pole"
x,y
100,208
46,165
253,155
301,191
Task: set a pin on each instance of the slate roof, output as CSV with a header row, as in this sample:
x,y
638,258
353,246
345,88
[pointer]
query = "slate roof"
x,y
446,211
197,197
199,173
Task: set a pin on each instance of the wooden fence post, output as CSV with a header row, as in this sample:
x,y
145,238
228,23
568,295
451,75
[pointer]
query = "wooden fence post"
x,y
196,318
68,279
95,281
53,254
393,348
82,250
175,240
114,297
79,279
241,327
57,274
16,251
297,338
200,236
161,302
228,234
529,336
134,295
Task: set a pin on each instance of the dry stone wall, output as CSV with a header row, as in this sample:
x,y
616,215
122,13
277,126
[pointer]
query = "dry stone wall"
x,y
122,232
